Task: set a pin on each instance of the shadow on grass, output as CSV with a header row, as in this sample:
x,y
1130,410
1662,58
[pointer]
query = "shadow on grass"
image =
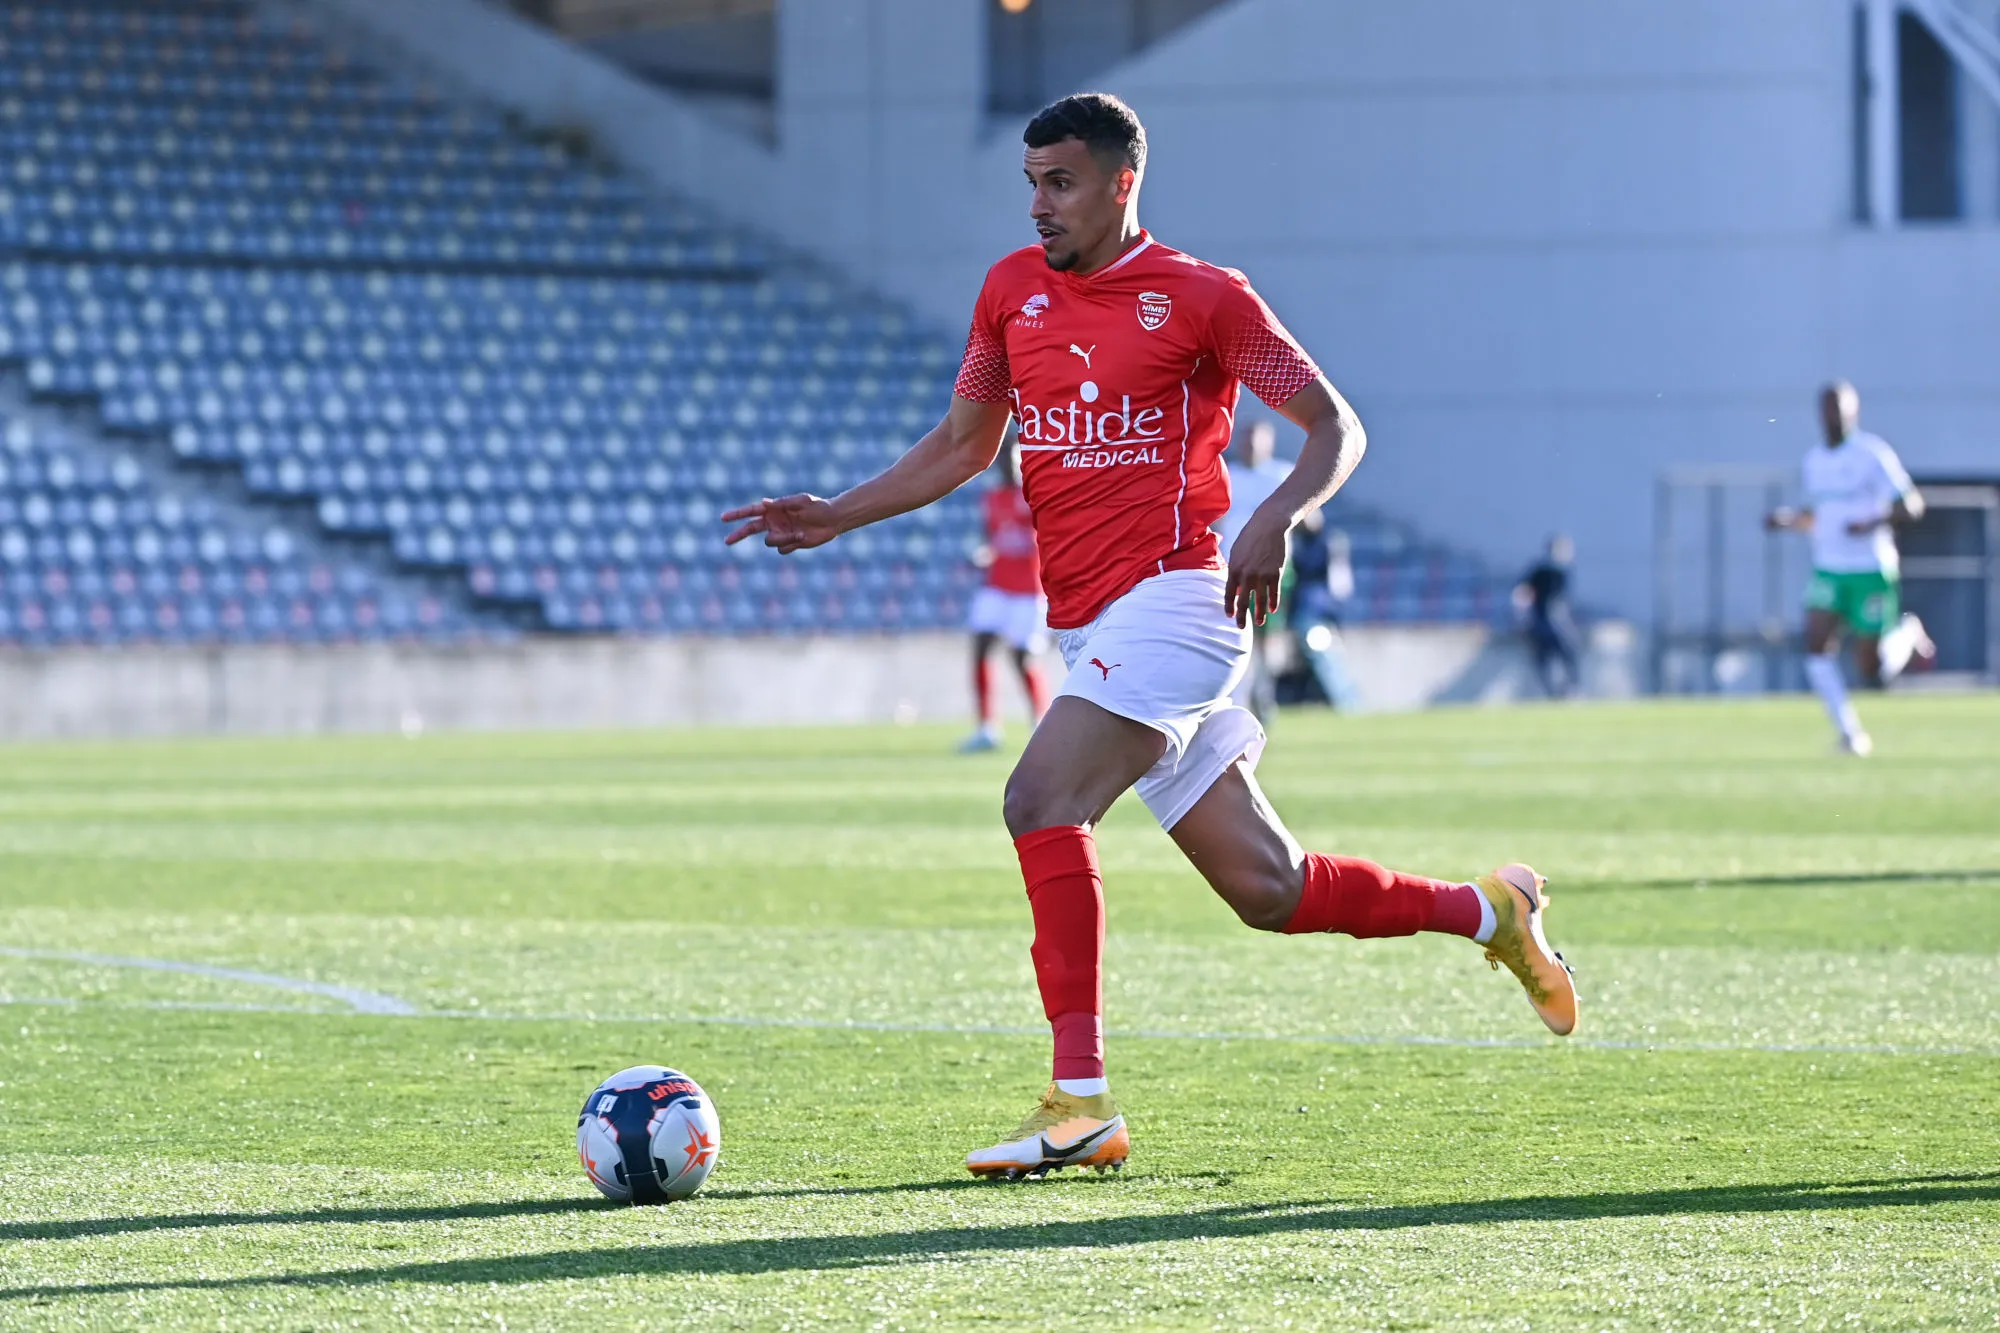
x,y
67,1229
111,1226
70,1229
1240,1221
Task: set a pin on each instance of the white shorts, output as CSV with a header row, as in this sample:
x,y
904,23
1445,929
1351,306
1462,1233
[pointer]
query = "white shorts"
x,y
1019,618
1165,654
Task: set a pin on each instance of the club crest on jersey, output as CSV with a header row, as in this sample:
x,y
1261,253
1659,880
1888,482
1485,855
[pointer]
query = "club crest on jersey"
x,y
1154,308
1032,308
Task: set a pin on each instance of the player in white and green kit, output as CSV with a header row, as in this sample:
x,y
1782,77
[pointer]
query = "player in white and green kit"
x,y
1856,490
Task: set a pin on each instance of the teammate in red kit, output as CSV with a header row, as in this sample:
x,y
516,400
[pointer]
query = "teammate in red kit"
x,y
1009,607
1121,360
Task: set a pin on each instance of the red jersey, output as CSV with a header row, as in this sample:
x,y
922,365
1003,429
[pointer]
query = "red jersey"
x,y
1010,532
1124,382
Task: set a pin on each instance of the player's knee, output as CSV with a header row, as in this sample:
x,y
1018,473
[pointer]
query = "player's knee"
x,y
1265,912
1028,804
1266,902
1264,894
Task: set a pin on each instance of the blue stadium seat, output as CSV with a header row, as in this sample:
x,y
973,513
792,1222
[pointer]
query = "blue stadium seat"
x,y
497,363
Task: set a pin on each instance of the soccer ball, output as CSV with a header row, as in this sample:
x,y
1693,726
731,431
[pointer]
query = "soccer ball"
x,y
649,1134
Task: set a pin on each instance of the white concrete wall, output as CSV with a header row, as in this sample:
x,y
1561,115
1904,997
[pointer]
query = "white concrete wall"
x,y
1548,247
531,684
570,683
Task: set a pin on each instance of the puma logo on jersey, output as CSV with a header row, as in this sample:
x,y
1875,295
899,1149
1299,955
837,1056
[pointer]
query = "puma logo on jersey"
x,y
1085,355
1107,670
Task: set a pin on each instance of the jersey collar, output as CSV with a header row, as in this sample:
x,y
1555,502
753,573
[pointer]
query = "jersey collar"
x,y
1139,247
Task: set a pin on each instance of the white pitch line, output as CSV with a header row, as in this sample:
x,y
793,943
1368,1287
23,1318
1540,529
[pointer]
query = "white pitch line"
x,y
983,1030
362,1001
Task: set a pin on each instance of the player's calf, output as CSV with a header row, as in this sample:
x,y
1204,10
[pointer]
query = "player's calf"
x,y
1261,881
1263,902
1234,837
1503,911
1349,896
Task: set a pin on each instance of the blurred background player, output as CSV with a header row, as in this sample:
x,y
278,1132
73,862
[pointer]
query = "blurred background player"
x,y
1315,606
1856,491
1542,598
1255,471
1009,607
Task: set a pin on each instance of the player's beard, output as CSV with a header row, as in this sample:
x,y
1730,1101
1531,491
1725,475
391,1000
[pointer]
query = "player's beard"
x,y
1061,260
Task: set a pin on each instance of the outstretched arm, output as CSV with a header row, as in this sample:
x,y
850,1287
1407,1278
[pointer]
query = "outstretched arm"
x,y
955,451
1334,443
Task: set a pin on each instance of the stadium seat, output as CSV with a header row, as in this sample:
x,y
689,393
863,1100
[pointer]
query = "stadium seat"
x,y
471,352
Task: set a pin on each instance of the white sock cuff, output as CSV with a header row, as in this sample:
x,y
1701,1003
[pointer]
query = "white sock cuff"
x,y
1083,1087
1487,920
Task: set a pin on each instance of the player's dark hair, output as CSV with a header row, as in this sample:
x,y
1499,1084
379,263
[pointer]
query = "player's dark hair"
x,y
1107,127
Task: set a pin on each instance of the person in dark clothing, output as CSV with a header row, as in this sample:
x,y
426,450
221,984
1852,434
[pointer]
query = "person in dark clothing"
x,y
1323,582
1542,597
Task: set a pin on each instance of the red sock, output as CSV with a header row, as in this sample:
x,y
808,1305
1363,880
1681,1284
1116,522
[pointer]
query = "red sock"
x,y
1066,894
1362,899
982,690
1038,689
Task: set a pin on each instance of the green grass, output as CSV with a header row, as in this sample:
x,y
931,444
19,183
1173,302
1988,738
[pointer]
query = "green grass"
x,y
1781,1111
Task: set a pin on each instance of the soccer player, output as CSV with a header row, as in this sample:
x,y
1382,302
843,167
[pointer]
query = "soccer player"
x,y
1121,360
1856,489
1542,596
1254,472
1009,606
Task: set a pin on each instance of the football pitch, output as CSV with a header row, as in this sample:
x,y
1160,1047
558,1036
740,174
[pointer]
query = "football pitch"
x,y
295,1033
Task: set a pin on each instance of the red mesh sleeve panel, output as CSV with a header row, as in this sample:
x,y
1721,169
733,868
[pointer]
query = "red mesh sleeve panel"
x,y
984,376
1258,350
